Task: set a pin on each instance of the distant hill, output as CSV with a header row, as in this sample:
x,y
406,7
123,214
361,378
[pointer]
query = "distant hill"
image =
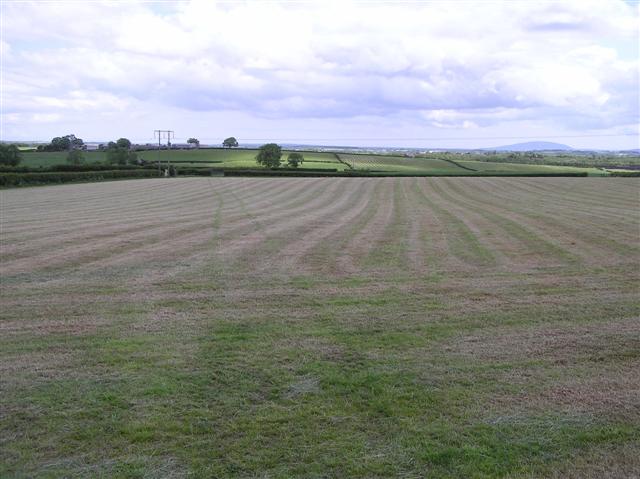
x,y
532,146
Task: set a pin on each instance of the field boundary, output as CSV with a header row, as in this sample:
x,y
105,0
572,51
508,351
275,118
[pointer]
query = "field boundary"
x,y
453,162
48,178
11,180
348,165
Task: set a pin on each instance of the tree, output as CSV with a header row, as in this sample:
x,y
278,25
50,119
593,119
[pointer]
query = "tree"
x,y
121,156
230,142
75,157
123,143
194,141
132,158
269,155
75,142
295,159
10,155
62,143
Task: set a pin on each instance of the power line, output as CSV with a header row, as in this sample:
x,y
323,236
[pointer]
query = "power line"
x,y
440,138
429,138
168,134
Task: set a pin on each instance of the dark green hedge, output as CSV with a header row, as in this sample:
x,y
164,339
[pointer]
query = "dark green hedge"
x,y
194,171
67,167
25,179
177,162
95,167
283,172
14,178
354,173
624,173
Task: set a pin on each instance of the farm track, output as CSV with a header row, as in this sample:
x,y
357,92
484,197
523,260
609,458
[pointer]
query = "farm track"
x,y
346,327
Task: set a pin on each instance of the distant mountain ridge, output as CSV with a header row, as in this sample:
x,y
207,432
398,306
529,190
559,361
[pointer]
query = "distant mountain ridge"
x,y
532,146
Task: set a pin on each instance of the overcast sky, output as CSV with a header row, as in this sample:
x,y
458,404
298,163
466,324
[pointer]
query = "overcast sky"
x,y
453,74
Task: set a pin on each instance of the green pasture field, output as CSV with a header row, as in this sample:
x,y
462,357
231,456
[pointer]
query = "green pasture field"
x,y
321,328
243,159
486,167
220,158
37,159
578,159
400,164
446,166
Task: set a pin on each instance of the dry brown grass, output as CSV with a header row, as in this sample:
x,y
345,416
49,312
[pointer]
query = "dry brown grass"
x,y
472,302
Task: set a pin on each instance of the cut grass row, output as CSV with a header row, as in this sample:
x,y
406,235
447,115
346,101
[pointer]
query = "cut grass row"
x,y
226,327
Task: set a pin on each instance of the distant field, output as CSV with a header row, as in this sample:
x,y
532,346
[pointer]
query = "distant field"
x,y
230,158
321,327
242,159
400,164
445,166
579,159
486,167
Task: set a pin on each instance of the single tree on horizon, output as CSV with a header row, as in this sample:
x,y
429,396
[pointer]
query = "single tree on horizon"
x,y
295,159
230,142
123,143
269,155
118,153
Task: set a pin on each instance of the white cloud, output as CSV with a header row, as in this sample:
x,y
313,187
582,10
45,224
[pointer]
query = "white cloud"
x,y
433,64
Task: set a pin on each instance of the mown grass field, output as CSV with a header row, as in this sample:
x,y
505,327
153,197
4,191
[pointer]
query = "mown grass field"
x,y
245,158
321,327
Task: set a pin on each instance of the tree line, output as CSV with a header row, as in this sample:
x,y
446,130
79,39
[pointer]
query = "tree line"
x,y
270,156
120,152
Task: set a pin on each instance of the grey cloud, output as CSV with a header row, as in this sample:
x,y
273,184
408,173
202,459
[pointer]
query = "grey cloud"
x,y
377,69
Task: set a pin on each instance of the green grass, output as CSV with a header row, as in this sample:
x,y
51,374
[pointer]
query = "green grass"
x,y
245,398
450,166
243,159
486,167
219,158
400,164
205,327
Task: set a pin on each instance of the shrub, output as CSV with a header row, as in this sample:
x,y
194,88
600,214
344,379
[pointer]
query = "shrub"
x,y
75,157
10,155
121,156
295,159
49,177
269,155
